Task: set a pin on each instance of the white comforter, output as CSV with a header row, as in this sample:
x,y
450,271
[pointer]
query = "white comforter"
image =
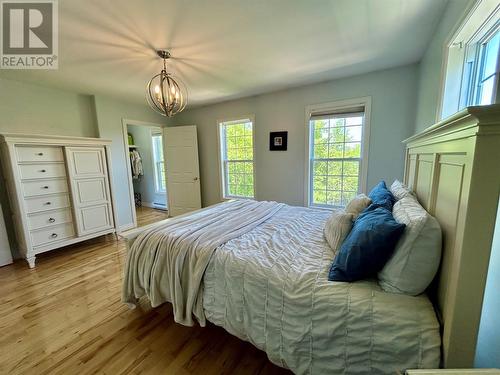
x,y
167,263
268,285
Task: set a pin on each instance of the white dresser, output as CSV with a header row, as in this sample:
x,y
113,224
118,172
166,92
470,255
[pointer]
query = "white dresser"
x,y
59,190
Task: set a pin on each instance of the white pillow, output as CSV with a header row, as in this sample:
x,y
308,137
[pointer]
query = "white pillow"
x,y
400,190
357,205
416,258
337,227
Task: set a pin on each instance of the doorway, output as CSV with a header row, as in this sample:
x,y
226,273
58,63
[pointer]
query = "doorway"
x,y
147,183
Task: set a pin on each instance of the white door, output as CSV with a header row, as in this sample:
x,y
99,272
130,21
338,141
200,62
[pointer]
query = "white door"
x,y
182,169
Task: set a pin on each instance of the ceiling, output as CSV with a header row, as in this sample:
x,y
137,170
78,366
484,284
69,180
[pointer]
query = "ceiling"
x,y
225,49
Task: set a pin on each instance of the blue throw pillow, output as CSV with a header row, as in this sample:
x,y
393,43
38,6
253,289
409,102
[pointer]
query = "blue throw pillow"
x,y
381,196
368,246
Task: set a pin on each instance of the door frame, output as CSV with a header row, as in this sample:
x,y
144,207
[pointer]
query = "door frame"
x,y
125,123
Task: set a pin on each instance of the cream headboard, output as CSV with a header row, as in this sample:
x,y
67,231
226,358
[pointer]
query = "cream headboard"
x,y
454,168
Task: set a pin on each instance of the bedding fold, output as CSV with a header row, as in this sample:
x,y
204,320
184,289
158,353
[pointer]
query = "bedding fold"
x,y
167,263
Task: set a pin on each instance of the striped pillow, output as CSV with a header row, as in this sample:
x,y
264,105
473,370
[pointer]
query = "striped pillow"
x,y
337,227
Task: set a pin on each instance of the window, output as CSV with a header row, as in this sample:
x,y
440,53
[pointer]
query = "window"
x,y
159,165
336,169
488,70
237,161
472,66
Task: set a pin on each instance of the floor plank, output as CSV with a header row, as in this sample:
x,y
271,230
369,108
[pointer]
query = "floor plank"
x,y
66,317
147,215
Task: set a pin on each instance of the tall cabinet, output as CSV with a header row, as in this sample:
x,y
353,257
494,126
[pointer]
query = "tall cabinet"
x,y
59,190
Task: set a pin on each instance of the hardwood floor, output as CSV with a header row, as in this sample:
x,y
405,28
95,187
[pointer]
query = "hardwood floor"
x,y
66,317
147,215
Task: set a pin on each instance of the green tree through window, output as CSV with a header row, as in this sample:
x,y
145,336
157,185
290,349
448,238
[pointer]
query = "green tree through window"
x,y
335,158
237,158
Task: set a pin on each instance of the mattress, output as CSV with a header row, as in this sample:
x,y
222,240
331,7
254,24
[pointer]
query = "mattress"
x,y
269,287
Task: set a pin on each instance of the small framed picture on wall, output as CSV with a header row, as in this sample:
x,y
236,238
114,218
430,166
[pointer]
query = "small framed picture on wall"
x,y
278,141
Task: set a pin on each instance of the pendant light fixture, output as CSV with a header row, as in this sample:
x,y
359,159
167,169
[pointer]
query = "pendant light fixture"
x,y
165,93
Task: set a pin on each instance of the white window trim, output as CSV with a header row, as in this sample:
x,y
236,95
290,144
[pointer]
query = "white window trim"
x,y
365,142
222,194
476,18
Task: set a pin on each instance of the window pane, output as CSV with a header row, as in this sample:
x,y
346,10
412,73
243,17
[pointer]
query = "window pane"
x,y
352,150
336,135
320,131
334,168
350,184
491,56
353,134
335,183
336,150
320,168
351,168
319,196
334,198
354,121
487,88
321,151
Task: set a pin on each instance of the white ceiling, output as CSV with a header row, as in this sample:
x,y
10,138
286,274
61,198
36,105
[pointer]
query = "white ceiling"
x,y
225,49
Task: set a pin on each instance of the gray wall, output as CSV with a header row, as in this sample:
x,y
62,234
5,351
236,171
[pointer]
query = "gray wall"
x,y
27,108
429,85
146,184
280,175
110,113
34,109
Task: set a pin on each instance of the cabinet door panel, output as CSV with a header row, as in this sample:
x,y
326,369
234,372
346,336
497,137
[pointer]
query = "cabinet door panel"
x,y
84,162
94,219
89,183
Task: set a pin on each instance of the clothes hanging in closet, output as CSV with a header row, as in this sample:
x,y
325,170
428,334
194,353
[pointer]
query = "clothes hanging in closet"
x,y
136,164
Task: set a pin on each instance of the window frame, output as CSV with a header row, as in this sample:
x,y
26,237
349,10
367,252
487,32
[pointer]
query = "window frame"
x,y
458,89
337,106
154,162
222,178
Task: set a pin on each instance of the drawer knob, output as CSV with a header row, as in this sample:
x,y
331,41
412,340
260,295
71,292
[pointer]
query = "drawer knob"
x,y
53,235
45,187
51,220
47,203
43,171
40,154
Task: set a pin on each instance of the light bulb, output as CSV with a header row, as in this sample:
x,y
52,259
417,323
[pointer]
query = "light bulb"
x,y
157,89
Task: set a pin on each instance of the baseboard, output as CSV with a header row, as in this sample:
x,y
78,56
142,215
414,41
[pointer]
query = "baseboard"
x,y
155,206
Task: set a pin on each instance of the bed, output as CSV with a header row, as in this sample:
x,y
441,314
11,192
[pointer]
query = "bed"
x,y
259,269
267,284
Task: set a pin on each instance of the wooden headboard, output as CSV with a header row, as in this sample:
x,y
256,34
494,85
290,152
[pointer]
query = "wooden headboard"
x,y
454,168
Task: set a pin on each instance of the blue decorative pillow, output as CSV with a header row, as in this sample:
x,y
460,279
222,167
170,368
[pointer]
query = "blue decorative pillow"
x,y
381,196
368,246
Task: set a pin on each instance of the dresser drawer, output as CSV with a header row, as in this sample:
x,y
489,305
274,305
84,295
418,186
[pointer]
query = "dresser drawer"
x,y
50,202
41,187
39,153
44,219
52,234
33,171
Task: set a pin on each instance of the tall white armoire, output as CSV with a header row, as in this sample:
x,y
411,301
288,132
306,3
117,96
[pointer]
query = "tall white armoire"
x,y
59,190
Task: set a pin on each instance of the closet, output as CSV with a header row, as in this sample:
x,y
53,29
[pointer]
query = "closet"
x,y
59,190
